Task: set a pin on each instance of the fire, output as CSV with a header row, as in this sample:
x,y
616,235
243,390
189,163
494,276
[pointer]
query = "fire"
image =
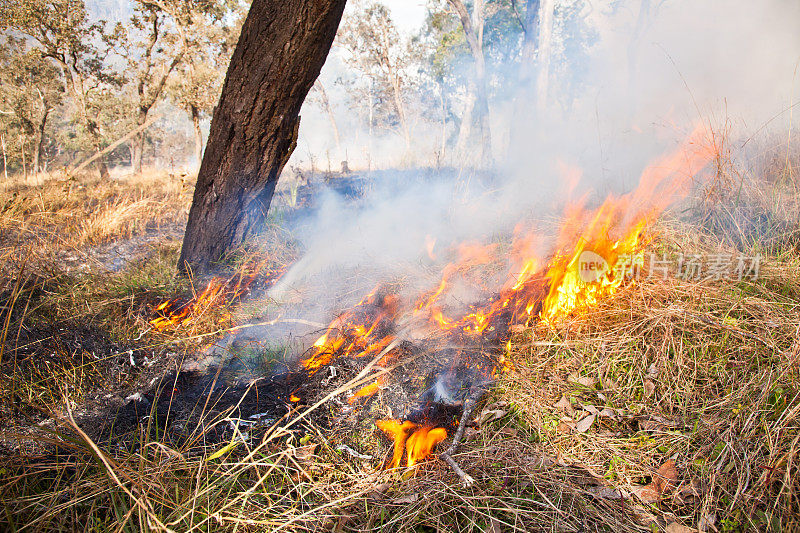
x,y
539,279
176,313
571,287
365,392
364,330
418,441
219,292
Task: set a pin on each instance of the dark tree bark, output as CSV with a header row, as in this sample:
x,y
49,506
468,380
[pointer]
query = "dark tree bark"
x,y
282,48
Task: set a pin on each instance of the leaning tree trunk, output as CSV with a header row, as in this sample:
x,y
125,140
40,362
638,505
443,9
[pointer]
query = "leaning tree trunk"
x,y
281,50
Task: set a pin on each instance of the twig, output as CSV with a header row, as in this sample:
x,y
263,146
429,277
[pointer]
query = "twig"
x,y
474,396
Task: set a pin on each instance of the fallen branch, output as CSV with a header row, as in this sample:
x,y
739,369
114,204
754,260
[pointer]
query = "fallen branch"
x,y
74,170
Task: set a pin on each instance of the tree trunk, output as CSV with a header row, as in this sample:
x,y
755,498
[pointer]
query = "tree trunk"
x,y
39,140
326,103
24,165
545,52
138,142
473,31
198,133
5,161
280,53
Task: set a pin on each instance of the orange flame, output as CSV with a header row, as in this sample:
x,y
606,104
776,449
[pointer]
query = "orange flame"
x,y
364,392
361,331
417,440
219,292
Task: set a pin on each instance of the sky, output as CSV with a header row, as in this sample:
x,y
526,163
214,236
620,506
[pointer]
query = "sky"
x,y
408,15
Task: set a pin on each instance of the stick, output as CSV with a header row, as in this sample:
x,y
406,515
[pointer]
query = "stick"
x,y
110,147
475,394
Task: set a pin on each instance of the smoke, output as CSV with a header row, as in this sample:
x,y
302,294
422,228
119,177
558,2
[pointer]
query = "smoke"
x,y
615,103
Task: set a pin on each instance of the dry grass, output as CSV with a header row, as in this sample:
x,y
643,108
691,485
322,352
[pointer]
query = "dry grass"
x,y
64,217
705,374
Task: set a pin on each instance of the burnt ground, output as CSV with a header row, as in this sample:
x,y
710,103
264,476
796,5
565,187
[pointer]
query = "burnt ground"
x,y
117,382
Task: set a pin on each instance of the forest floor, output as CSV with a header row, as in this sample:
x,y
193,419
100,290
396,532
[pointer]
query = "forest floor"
x,y
673,405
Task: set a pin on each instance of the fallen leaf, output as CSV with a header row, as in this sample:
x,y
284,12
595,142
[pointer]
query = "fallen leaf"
x,y
491,415
517,328
584,424
564,427
411,498
608,493
494,525
608,413
675,527
586,381
652,371
649,387
666,478
305,453
565,405
509,432
646,493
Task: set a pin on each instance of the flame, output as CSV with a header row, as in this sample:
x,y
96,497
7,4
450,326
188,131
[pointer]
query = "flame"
x,y
362,331
218,293
628,216
364,392
420,444
542,282
417,440
294,397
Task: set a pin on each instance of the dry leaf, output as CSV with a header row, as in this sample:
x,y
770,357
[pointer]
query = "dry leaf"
x,y
646,493
494,526
517,328
586,381
707,522
666,478
565,405
585,423
304,453
491,415
411,498
608,493
649,387
509,432
564,427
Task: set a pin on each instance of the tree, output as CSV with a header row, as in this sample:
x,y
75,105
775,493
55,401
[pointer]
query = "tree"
x,y
62,30
197,86
376,50
30,89
153,45
478,106
280,53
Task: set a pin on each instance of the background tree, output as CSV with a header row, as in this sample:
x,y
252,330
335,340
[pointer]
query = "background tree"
x,y
198,82
65,35
375,49
30,89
